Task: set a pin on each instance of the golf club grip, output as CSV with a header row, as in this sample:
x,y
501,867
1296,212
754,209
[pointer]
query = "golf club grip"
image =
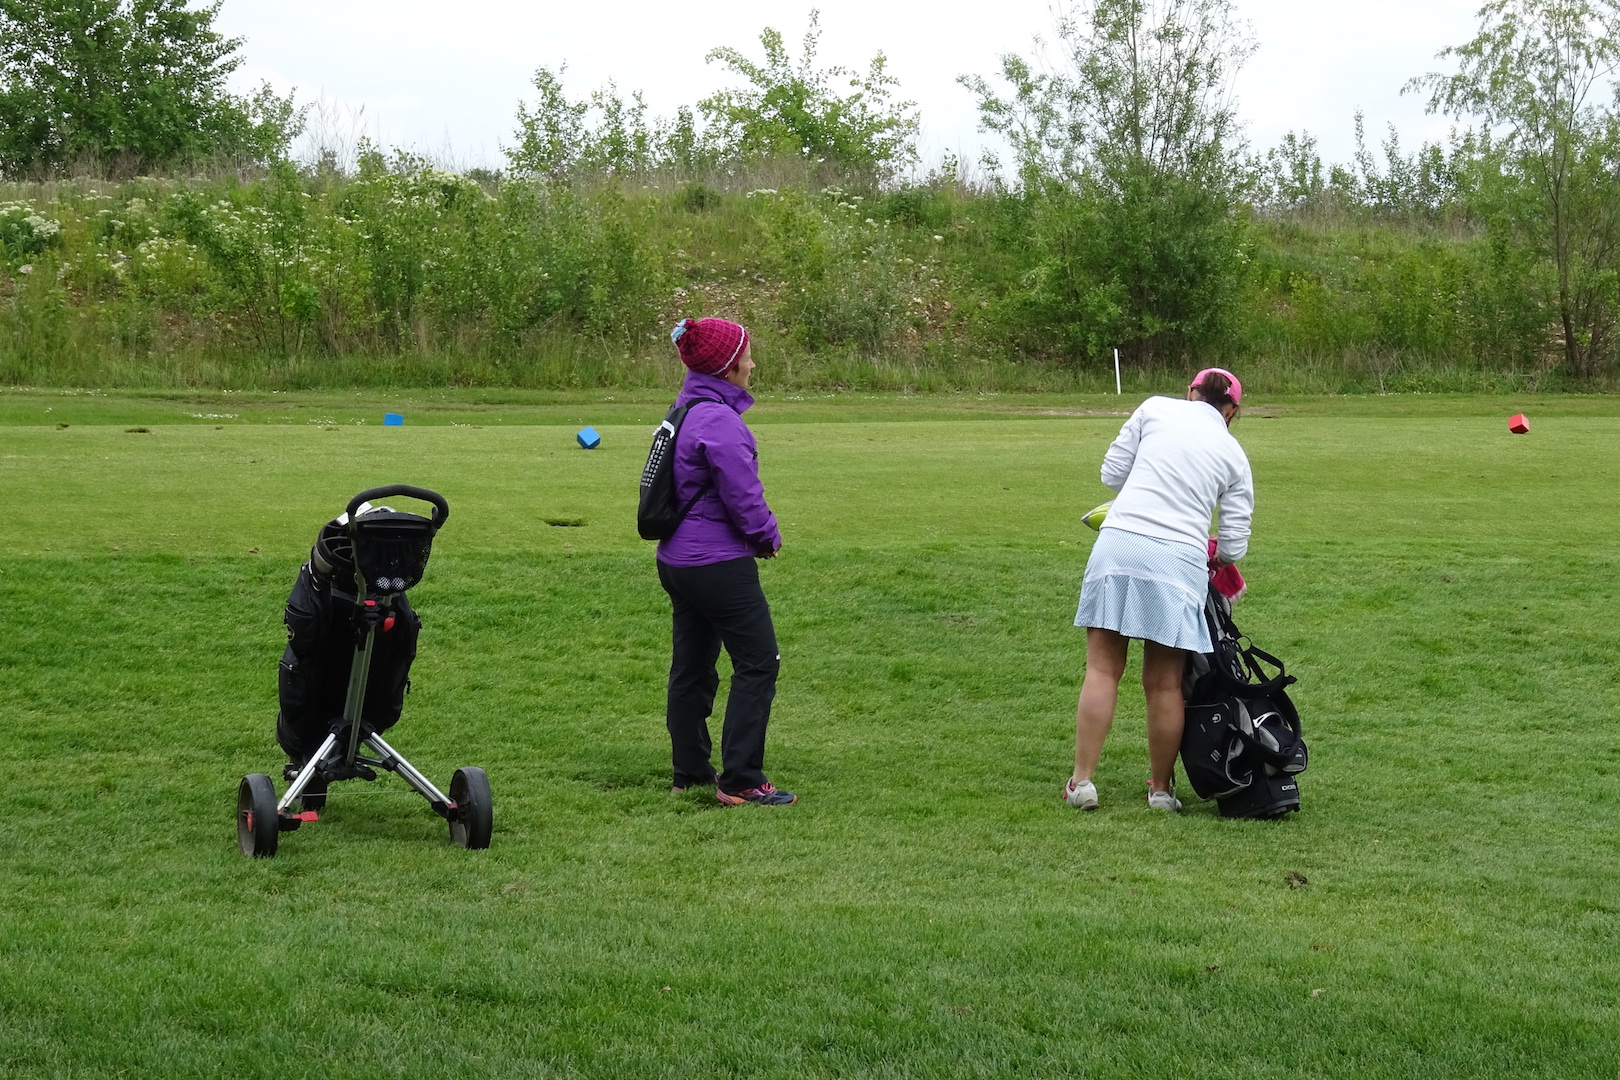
x,y
441,507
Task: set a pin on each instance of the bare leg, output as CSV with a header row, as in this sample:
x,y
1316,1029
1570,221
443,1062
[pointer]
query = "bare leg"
x,y
1105,663
1161,681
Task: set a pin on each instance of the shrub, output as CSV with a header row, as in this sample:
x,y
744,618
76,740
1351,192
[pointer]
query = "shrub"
x,y
694,197
25,233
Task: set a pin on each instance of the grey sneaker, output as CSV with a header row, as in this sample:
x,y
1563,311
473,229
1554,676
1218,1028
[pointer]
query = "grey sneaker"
x,y
1080,794
1163,800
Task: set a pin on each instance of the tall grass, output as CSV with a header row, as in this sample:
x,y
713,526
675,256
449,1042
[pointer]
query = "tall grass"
x,y
400,274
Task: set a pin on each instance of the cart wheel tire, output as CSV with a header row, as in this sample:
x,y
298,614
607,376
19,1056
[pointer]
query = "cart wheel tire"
x,y
475,816
257,828
314,796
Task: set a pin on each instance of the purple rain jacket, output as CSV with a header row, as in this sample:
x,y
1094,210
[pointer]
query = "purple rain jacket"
x,y
715,454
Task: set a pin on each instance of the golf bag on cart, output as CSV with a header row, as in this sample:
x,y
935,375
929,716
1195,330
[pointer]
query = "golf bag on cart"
x,y
1242,745
313,680
351,638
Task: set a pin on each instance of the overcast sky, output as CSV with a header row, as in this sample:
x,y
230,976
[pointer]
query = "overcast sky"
x,y
445,78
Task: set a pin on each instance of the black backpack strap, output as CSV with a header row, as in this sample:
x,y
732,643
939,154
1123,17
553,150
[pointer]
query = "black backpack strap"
x,y
1268,684
680,515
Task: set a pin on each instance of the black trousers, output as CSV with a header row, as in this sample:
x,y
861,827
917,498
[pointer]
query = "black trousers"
x,y
720,604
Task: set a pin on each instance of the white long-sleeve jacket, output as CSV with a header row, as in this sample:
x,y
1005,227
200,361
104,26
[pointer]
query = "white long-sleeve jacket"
x,y
1173,463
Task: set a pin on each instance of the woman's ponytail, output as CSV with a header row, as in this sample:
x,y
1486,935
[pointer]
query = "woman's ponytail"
x,y
1215,387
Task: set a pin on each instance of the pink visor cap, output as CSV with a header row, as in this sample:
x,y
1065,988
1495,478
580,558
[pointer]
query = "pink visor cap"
x,y
1237,388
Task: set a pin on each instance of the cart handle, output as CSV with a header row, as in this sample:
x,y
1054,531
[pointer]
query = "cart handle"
x,y
441,508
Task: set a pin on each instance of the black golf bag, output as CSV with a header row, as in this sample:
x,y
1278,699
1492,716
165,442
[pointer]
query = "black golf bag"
x,y
351,637
1242,745
321,639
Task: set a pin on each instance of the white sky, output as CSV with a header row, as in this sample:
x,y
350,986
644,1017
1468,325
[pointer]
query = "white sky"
x,y
445,78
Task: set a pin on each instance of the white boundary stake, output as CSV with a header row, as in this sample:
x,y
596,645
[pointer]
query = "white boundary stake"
x,y
1117,390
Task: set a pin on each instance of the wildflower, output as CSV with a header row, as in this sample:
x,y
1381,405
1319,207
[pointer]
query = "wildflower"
x,y
938,237
26,268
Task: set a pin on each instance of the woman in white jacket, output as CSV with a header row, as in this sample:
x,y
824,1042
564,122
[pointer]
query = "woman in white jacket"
x,y
1172,465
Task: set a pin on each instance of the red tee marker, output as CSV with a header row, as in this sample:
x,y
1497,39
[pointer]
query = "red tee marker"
x,y
1518,424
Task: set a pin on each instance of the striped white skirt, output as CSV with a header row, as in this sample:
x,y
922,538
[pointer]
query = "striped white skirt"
x,y
1144,587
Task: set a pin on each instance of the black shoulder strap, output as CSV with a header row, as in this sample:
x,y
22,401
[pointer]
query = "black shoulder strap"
x,y
1267,683
680,516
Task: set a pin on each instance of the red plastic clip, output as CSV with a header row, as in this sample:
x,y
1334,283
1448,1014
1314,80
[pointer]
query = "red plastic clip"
x,y
306,815
388,624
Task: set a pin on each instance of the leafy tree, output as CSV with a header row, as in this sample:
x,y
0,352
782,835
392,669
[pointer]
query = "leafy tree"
x,y
1535,72
558,138
126,84
1291,174
549,132
1430,182
1129,159
787,109
790,109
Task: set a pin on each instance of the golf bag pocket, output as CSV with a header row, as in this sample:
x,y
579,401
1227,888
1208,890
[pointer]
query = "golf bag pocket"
x,y
1272,729
291,686
390,677
1213,754
300,725
1267,797
308,617
1240,741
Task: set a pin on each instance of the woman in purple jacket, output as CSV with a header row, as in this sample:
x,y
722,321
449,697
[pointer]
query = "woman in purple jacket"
x,y
707,567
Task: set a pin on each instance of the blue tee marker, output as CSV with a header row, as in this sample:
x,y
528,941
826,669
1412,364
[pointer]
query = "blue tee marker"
x,y
393,419
588,438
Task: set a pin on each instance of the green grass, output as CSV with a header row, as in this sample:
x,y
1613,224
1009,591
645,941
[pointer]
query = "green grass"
x,y
1444,591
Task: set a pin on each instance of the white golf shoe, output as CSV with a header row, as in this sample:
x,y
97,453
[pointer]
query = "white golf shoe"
x,y
1163,800
1080,794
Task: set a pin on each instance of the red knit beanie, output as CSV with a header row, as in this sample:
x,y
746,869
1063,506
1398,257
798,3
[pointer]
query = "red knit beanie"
x,y
709,346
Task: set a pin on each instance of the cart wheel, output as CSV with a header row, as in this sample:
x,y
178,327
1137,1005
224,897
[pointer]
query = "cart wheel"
x,y
256,826
474,819
314,796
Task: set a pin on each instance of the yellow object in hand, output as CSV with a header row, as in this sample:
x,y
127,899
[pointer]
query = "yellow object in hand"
x,y
1094,517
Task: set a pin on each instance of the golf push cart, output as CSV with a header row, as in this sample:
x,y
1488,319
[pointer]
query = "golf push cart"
x,y
379,553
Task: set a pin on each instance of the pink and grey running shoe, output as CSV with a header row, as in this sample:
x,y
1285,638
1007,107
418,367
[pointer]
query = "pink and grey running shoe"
x,y
765,795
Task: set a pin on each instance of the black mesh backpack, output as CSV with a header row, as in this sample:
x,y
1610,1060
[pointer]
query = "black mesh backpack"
x,y
1242,745
658,515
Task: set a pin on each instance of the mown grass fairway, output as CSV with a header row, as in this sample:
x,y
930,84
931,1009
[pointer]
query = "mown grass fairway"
x,y
1445,592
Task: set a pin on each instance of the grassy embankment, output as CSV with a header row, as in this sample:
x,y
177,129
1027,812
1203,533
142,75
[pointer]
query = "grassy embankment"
x,y
403,276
